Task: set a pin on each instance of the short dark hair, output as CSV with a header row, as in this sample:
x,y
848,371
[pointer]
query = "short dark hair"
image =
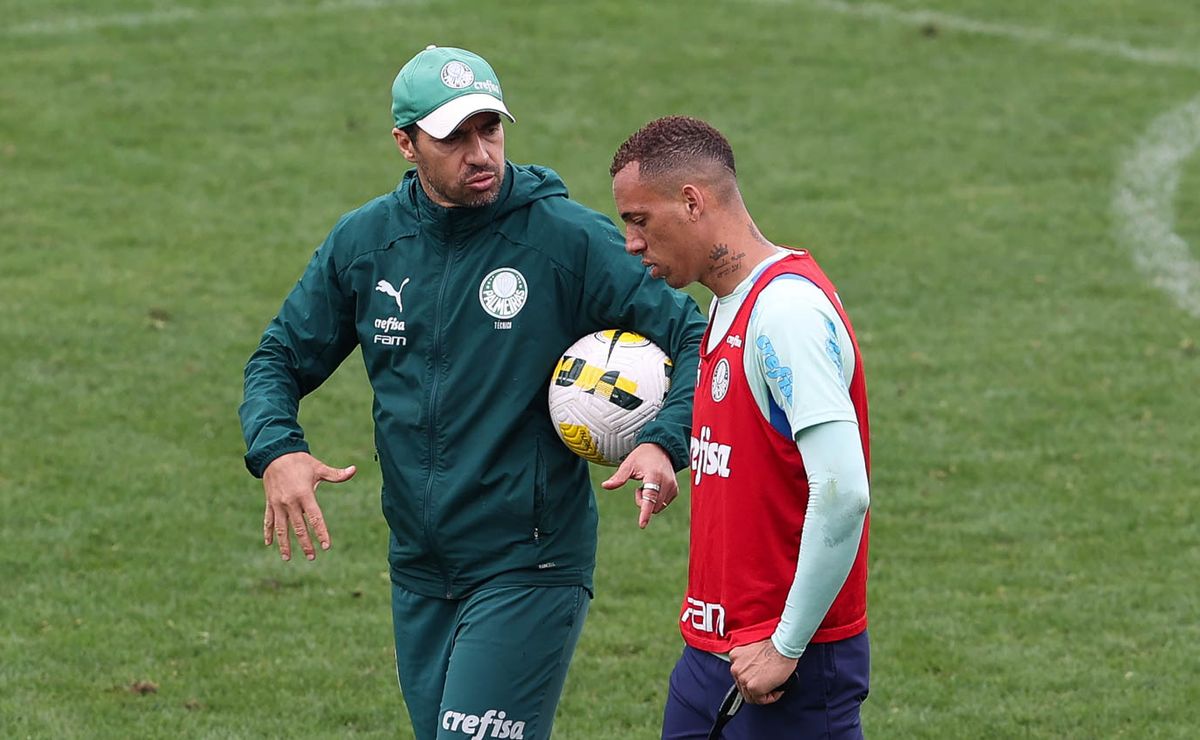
x,y
670,143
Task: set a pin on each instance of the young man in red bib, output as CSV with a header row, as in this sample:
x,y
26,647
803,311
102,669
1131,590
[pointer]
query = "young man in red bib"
x,y
776,596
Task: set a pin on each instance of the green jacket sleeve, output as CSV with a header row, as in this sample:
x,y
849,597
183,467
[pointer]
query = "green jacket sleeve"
x,y
302,346
619,293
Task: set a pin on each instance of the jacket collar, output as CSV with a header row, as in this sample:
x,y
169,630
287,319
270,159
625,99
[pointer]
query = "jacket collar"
x,y
447,222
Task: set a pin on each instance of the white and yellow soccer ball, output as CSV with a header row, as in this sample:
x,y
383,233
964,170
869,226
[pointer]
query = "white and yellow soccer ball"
x,y
604,389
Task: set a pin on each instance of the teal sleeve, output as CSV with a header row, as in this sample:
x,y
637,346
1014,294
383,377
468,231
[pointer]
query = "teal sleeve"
x,y
302,346
838,497
619,293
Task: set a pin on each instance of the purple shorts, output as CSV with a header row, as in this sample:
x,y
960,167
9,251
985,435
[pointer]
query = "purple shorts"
x,y
832,680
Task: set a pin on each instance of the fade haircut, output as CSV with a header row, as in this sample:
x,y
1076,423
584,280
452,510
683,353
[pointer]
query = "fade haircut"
x,y
674,145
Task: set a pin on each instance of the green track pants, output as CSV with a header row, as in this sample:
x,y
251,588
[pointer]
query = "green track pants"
x,y
489,665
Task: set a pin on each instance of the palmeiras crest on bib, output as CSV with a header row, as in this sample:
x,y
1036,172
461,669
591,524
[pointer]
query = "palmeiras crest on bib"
x,y
503,292
457,75
720,380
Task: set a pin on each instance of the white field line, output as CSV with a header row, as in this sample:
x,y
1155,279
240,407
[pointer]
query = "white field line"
x,y
1144,195
1143,201
1024,34
869,10
1143,204
81,23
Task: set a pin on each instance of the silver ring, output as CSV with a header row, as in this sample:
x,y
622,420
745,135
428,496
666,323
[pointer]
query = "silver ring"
x,y
650,486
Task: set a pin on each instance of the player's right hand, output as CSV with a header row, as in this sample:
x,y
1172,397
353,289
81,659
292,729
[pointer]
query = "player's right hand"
x,y
290,484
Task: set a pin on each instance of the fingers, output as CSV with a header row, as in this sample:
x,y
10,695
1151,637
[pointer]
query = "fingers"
x,y
268,525
277,521
290,484
650,499
753,696
648,506
761,699
771,697
649,492
669,490
279,515
300,527
317,521
650,464
618,479
335,475
759,678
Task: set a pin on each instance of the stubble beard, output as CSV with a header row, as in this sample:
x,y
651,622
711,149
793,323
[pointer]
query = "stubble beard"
x,y
461,196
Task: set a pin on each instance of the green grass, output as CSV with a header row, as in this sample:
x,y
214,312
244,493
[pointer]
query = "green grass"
x,y
165,174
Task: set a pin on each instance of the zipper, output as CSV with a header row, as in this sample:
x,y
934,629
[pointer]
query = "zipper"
x,y
539,488
433,389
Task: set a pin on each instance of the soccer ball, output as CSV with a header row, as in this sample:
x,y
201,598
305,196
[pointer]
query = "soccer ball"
x,y
604,389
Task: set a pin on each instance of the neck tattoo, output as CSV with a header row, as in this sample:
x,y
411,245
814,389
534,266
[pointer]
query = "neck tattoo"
x,y
725,264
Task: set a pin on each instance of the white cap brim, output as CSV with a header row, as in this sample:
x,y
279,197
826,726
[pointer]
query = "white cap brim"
x,y
442,121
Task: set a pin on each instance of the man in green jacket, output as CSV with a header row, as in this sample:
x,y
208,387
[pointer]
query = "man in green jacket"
x,y
462,288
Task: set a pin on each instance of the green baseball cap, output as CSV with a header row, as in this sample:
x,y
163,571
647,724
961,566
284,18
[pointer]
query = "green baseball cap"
x,y
441,87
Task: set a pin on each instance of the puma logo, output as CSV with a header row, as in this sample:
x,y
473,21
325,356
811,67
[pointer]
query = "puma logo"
x,y
384,286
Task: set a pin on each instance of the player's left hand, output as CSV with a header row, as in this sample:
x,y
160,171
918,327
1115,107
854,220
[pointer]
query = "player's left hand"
x,y
760,671
649,464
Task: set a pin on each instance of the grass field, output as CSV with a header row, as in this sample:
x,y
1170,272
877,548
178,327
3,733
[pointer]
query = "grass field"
x,y
982,179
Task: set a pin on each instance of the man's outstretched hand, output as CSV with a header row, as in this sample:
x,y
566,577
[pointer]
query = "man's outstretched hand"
x,y
290,484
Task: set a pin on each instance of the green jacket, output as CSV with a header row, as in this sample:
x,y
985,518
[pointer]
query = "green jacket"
x,y
461,315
